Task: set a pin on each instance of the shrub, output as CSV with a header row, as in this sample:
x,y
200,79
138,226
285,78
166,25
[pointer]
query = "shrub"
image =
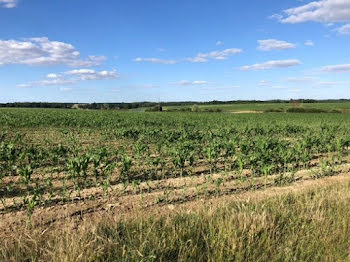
x,y
274,110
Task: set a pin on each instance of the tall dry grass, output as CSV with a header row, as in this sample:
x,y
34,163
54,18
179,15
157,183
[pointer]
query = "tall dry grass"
x,y
310,226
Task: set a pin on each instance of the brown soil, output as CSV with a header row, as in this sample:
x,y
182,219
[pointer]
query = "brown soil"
x,y
247,112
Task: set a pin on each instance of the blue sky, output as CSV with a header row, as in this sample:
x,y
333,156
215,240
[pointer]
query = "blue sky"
x,y
198,50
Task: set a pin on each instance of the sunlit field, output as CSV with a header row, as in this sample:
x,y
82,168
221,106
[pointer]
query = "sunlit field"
x,y
61,169
262,107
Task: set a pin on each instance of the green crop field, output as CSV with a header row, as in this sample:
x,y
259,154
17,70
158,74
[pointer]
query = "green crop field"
x,y
60,167
342,106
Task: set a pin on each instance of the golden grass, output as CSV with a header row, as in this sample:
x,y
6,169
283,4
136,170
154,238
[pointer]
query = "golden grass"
x,y
309,221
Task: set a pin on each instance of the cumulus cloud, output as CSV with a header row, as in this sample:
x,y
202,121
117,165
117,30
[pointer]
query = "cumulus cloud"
x,y
155,61
72,77
324,11
218,43
8,3
273,44
89,74
344,68
272,64
344,30
214,55
189,83
43,52
52,75
199,58
309,43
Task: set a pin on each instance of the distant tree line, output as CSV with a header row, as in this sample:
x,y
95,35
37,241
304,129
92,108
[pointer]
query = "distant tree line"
x,y
135,105
37,105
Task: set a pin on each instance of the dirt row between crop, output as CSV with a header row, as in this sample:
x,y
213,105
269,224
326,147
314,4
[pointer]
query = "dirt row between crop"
x,y
199,170
174,195
151,192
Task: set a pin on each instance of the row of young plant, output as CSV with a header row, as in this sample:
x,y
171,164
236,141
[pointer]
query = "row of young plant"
x,y
31,171
183,151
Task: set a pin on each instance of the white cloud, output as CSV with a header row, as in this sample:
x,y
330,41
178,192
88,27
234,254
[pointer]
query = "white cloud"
x,y
300,79
344,30
345,68
43,52
89,74
24,85
8,3
72,77
324,11
48,82
267,83
218,43
189,83
200,58
272,64
309,43
273,44
276,16
156,61
214,55
52,75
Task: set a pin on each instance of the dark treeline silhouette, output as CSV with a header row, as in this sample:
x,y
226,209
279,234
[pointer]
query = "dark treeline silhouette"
x,y
37,105
154,104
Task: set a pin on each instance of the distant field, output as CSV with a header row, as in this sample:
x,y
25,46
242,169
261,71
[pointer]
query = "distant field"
x,y
262,107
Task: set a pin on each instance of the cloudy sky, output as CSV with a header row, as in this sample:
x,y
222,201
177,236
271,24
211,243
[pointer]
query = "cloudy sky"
x,y
199,50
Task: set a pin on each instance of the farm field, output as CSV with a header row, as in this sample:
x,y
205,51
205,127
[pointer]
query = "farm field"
x,y
261,107
139,186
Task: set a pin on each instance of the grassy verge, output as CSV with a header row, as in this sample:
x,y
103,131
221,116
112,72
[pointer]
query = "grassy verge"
x,y
313,225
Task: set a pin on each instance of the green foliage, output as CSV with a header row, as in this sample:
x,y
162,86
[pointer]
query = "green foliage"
x,y
84,149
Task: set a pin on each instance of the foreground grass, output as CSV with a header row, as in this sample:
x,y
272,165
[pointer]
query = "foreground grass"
x,y
313,225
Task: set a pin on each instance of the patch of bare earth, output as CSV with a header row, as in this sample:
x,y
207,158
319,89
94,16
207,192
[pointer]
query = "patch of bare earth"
x,y
247,112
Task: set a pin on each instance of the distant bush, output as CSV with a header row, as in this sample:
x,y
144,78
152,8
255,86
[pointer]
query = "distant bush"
x,y
212,110
195,109
181,109
154,109
274,110
311,110
305,110
336,111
